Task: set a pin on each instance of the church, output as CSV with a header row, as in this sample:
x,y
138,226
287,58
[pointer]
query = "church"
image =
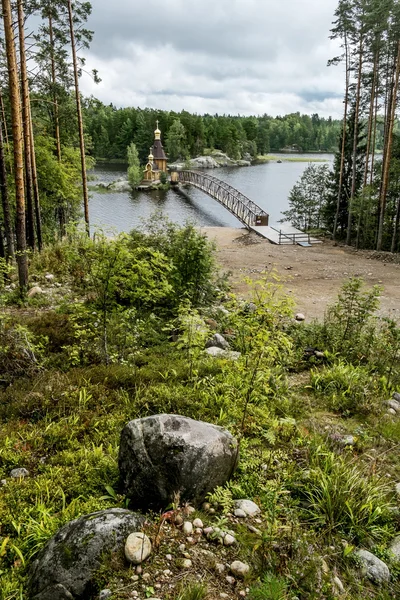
x,y
157,160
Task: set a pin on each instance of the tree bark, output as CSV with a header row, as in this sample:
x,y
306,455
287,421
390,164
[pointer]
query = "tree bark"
x,y
342,151
386,167
30,218
54,94
38,215
80,121
15,102
8,228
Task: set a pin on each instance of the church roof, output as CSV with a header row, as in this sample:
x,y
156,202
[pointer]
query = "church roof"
x,y
158,150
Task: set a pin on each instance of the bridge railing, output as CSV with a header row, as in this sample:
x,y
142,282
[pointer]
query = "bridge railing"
x,y
247,211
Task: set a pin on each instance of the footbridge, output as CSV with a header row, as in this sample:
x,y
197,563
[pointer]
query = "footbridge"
x,y
245,210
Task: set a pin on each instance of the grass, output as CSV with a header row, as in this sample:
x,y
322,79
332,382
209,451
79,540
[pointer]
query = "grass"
x,y
289,158
61,414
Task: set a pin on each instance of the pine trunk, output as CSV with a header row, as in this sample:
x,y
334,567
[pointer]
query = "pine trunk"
x,y
342,151
355,144
30,218
8,228
15,103
388,153
80,121
55,99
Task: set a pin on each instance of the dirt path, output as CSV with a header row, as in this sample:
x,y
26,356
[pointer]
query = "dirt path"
x,y
313,275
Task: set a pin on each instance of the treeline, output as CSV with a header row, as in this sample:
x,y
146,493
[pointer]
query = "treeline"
x,y
112,129
42,143
364,203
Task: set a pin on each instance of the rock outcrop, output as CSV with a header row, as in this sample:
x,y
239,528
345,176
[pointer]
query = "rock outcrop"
x,y
163,456
64,569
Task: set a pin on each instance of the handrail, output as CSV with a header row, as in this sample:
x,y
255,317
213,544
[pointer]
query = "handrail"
x,y
244,209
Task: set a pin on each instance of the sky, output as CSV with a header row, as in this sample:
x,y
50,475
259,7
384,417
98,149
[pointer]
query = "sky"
x,y
246,57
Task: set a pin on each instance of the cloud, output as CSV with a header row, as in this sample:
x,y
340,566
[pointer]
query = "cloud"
x,y
225,56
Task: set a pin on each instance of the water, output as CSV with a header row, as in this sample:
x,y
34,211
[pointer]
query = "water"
x,y
268,185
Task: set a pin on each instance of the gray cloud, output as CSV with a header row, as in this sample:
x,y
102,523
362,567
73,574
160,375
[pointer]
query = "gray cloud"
x,y
226,56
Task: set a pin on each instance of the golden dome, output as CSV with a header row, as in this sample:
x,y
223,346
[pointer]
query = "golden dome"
x,y
151,157
157,133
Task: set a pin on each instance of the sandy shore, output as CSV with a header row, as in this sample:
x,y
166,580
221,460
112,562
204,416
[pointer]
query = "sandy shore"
x,y
313,275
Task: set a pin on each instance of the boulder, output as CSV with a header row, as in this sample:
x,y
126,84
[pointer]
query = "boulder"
x,y
164,455
395,549
394,405
137,548
69,560
120,186
374,568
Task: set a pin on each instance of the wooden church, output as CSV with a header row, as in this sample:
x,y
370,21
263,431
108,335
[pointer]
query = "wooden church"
x,y
157,160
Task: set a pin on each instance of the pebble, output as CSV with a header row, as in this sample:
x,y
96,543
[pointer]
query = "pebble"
x,y
190,540
198,531
146,576
50,277
182,547
254,529
300,317
19,473
242,593
220,568
392,412
212,511
231,580
229,540
393,404
187,563
3,482
167,572
158,586
396,396
134,594
104,594
223,595
198,523
190,510
240,513
338,585
250,508
240,569
187,528
206,506
139,570
258,521
178,520
168,556
35,291
208,530
137,547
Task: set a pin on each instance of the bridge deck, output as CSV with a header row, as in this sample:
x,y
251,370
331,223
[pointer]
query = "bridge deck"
x,y
285,234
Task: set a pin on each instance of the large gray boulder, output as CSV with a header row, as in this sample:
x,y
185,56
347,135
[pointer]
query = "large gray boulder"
x,y
373,567
165,455
64,569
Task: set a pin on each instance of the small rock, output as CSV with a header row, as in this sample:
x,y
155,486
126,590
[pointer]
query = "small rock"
x,y
182,547
187,528
249,507
19,473
258,521
137,547
239,569
397,489
187,563
168,556
198,523
198,531
396,396
240,513
223,595
230,580
50,277
135,578
167,572
35,291
218,352
190,510
300,317
206,506
220,568
374,568
254,529
178,520
190,540
146,576
395,549
105,594
393,404
229,540
212,511
242,593
392,412
139,570
208,530
218,341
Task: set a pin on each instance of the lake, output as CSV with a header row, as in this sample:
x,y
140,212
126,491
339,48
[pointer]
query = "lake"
x,y
268,185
